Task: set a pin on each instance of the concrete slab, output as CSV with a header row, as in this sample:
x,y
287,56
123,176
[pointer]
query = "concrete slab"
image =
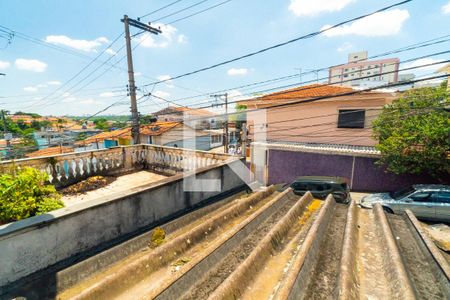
x,y
121,184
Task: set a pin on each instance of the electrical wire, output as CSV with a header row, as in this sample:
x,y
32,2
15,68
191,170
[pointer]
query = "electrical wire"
x,y
159,9
179,11
307,36
199,12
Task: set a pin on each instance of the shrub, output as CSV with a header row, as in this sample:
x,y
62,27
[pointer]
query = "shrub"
x,y
26,194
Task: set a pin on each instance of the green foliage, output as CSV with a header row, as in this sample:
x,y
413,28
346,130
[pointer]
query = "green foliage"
x,y
148,119
26,194
413,133
101,124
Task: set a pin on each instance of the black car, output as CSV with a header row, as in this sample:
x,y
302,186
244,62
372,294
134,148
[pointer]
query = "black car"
x,y
321,186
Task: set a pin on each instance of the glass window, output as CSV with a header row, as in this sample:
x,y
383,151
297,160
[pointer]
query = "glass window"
x,y
443,197
351,118
421,197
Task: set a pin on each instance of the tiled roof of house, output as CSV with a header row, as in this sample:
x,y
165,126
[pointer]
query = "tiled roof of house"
x,y
310,92
180,110
153,129
50,151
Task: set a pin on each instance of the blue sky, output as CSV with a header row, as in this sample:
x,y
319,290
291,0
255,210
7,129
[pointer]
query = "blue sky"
x,y
233,29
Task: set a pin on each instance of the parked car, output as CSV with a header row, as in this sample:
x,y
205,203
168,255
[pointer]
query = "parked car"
x,y
321,186
426,201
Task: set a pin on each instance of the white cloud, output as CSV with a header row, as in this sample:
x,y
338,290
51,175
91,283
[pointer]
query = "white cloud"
x,y
69,99
54,82
137,74
446,8
381,24
166,77
315,7
421,62
82,45
345,47
234,72
37,98
107,95
90,101
41,85
30,89
33,65
161,94
4,65
182,39
163,40
110,51
66,95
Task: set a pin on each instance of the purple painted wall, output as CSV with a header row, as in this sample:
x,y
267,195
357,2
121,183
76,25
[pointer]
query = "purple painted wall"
x,y
285,166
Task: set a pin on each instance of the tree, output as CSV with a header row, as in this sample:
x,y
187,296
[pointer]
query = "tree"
x,y
148,119
101,124
413,133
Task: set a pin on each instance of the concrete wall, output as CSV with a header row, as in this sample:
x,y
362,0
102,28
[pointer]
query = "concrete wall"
x,y
285,166
317,122
39,242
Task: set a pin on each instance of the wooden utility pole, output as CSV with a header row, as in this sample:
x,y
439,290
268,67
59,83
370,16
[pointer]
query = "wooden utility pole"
x,y
225,140
131,84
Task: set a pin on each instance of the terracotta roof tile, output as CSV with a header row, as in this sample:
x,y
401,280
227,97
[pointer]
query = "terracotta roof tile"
x,y
50,151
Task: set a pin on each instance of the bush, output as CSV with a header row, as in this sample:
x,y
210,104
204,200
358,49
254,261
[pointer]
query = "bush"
x,y
26,194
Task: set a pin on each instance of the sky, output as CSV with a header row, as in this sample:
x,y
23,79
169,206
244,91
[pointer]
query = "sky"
x,y
50,70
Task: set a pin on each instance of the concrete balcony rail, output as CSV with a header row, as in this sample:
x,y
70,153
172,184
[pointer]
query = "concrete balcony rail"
x,y
37,246
67,169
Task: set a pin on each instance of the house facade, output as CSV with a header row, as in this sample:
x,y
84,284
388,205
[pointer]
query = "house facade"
x,y
332,120
198,118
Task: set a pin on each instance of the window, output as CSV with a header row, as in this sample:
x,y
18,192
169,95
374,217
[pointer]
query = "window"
x,y
444,197
351,118
421,197
345,70
346,75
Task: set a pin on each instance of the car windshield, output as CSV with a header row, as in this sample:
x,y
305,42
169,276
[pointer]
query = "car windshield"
x,y
400,194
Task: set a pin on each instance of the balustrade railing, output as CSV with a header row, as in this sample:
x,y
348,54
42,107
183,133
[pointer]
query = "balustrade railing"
x,y
67,169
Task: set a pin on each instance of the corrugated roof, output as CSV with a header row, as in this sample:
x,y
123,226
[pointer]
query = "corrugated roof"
x,y
342,149
50,151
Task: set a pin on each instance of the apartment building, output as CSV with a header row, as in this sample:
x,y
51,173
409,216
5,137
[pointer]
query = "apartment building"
x,y
360,70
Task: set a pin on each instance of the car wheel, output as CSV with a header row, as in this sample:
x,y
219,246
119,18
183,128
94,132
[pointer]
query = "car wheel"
x,y
388,210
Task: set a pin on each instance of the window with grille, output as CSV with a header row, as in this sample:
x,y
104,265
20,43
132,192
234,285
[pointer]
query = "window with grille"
x,y
351,118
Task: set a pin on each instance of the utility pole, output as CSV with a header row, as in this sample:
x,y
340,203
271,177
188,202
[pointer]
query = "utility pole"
x,y
225,141
131,84
5,130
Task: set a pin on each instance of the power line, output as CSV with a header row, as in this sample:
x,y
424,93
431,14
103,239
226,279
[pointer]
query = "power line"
x,y
330,84
307,36
287,77
199,12
81,71
179,11
159,9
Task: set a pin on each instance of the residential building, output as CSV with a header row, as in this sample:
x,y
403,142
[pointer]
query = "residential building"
x,y
358,69
174,134
50,151
198,118
332,120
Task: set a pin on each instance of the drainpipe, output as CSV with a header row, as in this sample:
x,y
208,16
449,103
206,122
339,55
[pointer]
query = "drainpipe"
x,y
353,172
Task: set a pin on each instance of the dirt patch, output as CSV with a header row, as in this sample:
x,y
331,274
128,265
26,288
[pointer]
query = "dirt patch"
x,y
325,275
218,273
417,261
90,184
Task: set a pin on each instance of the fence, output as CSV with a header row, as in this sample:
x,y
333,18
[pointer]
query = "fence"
x,y
67,169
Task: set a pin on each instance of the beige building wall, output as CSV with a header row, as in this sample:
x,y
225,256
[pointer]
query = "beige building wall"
x,y
317,122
